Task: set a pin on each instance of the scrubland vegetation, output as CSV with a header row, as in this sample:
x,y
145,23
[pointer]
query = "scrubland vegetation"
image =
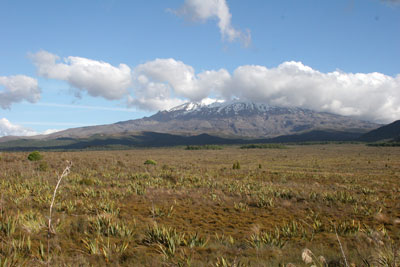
x,y
322,205
205,147
252,146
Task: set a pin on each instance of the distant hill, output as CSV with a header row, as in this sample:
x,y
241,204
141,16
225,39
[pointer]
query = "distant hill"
x,y
152,139
390,132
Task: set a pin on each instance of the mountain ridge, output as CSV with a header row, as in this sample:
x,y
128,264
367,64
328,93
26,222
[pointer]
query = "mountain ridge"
x,y
389,132
236,119
154,139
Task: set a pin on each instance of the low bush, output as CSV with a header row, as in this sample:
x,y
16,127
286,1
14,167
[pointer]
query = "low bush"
x,y
150,162
35,156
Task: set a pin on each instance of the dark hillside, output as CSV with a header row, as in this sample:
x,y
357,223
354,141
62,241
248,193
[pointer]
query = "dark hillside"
x,y
388,132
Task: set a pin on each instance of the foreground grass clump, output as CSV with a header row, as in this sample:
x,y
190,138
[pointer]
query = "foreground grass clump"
x,y
236,165
194,209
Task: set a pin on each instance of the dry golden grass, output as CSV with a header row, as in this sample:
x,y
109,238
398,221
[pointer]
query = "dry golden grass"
x,y
193,209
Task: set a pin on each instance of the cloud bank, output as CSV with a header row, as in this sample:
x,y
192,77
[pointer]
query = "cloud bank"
x,y
7,128
97,78
164,83
203,10
14,89
370,96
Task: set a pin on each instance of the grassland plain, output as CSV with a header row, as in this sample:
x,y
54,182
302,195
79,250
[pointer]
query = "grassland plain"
x,y
193,209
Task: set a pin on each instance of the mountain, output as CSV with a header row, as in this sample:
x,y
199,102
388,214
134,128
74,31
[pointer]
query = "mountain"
x,y
235,119
390,132
233,122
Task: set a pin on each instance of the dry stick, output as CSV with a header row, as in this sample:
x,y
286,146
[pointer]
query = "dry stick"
x,y
1,214
50,230
341,248
1,204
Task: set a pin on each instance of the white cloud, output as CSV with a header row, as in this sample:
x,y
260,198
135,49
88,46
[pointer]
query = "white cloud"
x,y
154,74
150,95
162,83
154,103
18,88
202,10
10,129
7,128
372,96
98,78
50,131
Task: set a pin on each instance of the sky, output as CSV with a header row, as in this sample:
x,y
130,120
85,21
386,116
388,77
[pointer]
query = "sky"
x,y
71,63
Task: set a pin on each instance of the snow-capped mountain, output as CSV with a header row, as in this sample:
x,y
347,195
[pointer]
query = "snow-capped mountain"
x,y
228,109
193,106
233,119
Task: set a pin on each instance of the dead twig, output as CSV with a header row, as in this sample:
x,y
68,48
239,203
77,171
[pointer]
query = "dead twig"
x,y
341,248
50,229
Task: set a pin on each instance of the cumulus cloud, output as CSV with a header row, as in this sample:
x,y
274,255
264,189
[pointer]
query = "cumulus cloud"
x,y
162,83
202,10
10,129
371,96
7,128
17,88
98,78
152,96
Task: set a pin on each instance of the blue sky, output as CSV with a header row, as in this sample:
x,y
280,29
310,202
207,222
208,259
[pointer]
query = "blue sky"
x,y
72,63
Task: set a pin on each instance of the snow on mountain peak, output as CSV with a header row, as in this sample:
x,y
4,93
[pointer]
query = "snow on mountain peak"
x,y
191,106
221,107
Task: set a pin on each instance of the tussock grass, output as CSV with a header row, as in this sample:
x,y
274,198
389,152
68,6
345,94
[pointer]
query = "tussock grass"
x,y
194,209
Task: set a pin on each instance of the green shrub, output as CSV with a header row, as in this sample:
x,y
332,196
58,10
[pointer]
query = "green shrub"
x,y
35,156
150,162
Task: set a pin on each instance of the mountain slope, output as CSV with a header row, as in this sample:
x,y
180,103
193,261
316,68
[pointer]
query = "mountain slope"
x,y
387,132
229,119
